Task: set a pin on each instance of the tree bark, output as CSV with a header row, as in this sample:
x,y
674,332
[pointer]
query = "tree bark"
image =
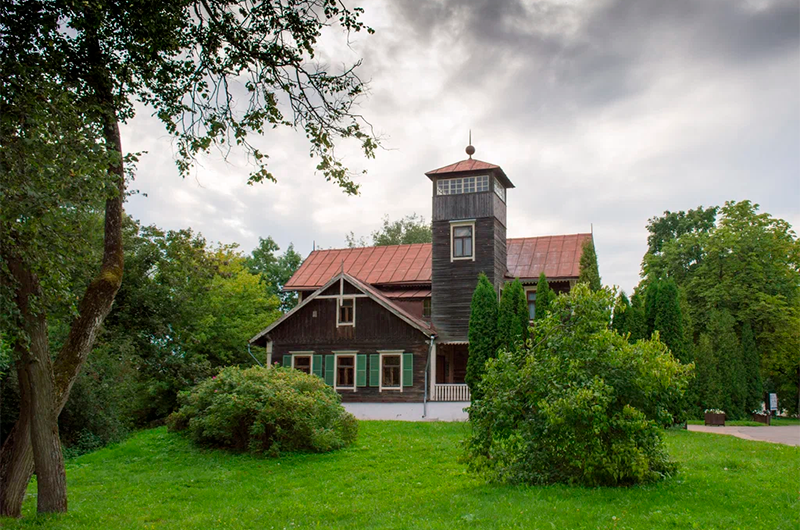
x,y
37,390
16,455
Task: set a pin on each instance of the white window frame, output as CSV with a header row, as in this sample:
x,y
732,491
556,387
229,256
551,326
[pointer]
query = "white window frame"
x,y
453,226
338,354
460,185
339,301
310,354
390,353
499,190
529,290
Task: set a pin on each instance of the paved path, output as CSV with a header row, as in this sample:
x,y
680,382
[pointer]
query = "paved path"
x,y
789,435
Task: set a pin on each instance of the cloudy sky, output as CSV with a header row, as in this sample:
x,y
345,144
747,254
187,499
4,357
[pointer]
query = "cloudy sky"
x,y
602,113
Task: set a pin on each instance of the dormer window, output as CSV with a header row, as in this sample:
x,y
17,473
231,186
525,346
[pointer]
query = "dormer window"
x,y
462,185
347,312
462,241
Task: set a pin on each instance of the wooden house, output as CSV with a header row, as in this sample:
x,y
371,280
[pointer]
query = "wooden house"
x,y
387,326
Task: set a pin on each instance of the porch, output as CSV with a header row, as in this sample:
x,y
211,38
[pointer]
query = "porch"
x,y
449,365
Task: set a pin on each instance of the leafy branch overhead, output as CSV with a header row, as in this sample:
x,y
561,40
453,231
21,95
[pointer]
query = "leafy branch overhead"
x,y
215,72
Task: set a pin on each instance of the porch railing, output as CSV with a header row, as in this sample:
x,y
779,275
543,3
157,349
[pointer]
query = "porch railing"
x,y
450,392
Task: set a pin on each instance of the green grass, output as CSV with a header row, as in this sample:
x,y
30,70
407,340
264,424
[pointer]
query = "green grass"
x,y
776,422
406,475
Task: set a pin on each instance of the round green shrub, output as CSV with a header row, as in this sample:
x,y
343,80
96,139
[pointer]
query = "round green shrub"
x,y
578,404
265,410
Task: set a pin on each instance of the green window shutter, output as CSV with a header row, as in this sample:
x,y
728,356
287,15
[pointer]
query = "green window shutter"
x,y
374,369
361,370
329,362
317,368
287,360
408,369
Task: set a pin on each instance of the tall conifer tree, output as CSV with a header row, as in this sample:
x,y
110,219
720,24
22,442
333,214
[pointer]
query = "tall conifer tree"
x,y
751,368
544,297
589,270
512,324
622,314
668,319
650,301
483,340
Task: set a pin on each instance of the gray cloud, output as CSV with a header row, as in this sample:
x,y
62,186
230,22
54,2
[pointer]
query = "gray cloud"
x,y
603,113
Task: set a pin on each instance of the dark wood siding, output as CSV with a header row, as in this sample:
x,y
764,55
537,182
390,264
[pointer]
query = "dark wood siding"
x,y
410,305
454,282
313,328
463,206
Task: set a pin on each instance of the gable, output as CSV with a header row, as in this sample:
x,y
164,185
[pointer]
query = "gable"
x,y
318,314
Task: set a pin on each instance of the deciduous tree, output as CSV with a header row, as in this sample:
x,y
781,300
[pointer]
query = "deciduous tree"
x,y
72,72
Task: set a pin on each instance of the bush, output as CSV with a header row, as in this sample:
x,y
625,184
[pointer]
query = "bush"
x,y
579,405
265,410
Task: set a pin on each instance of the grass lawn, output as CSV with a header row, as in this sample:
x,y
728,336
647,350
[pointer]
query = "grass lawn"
x,y
406,475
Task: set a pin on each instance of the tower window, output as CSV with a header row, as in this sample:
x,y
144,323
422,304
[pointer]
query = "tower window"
x,y
426,308
462,241
462,185
499,190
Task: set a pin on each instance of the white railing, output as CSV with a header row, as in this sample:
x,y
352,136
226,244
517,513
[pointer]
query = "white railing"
x,y
452,392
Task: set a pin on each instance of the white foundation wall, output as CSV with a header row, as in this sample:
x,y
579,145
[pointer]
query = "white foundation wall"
x,y
437,411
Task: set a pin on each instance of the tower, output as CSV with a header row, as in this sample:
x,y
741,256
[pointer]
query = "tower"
x,y
469,237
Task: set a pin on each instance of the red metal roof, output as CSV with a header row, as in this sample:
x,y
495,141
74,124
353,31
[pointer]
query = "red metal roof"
x,y
407,293
470,164
557,256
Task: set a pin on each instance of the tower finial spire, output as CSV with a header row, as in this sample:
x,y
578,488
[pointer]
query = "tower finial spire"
x,y
470,149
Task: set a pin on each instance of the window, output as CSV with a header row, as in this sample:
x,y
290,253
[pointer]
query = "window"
x,y
346,371
462,185
391,371
499,190
462,241
531,295
347,308
302,363
426,308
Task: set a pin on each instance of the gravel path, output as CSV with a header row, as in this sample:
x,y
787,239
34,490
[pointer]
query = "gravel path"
x,y
788,435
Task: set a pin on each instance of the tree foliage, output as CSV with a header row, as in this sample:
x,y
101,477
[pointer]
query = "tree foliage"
x,y
621,316
214,72
734,261
265,411
513,316
589,270
544,297
579,404
408,230
668,318
275,269
483,332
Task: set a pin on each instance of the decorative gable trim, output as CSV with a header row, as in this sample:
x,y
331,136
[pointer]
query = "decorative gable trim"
x,y
366,292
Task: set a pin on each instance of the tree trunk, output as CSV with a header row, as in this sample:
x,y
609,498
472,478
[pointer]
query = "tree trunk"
x,y
16,455
37,390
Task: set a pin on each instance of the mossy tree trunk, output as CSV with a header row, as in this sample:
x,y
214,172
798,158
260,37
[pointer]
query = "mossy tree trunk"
x,y
33,442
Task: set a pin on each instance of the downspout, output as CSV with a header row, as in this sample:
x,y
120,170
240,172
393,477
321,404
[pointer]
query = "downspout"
x,y
427,369
253,356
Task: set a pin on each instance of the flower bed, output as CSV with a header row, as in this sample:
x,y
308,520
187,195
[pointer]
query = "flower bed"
x,y
715,417
761,417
